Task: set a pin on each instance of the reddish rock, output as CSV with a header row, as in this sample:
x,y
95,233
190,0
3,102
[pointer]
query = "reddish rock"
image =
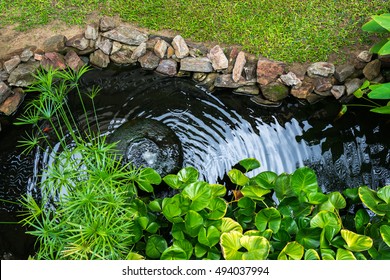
x,y
322,85
304,90
55,44
170,52
11,104
78,42
268,71
232,59
73,61
53,60
160,48
218,59
238,66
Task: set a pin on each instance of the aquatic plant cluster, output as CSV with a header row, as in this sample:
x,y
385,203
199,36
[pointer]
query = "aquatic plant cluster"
x,y
93,206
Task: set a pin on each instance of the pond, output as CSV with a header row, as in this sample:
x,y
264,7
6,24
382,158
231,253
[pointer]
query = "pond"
x,y
216,130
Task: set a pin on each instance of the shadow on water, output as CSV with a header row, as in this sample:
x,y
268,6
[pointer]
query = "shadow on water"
x,y
216,131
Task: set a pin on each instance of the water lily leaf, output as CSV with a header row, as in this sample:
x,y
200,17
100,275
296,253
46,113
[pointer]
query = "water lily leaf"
x,y
228,224
237,177
173,181
230,245
384,194
356,242
249,164
218,208
316,198
143,222
264,179
209,236
283,186
188,175
360,256
185,245
268,217
361,219
155,246
258,247
254,192
174,253
199,193
217,190
381,91
309,237
343,254
292,251
246,203
337,200
304,181
370,199
312,255
214,253
193,222
385,233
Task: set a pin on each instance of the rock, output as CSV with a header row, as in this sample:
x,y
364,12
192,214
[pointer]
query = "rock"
x,y
218,59
149,143
323,69
199,76
122,57
364,56
78,42
196,64
303,91
53,60
116,46
160,48
268,71
105,45
338,91
352,85
170,52
149,61
22,76
209,82
180,46
55,44
232,59
11,64
139,51
5,91
291,80
126,35
238,66
106,24
99,58
274,91
313,98
226,81
26,55
298,69
250,70
167,67
264,102
91,32
248,90
11,104
322,86
343,72
73,61
372,69
4,75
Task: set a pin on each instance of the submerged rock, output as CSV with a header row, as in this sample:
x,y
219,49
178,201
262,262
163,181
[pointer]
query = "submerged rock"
x,y
149,143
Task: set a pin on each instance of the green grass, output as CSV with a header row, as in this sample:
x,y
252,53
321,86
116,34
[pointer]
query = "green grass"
x,y
287,30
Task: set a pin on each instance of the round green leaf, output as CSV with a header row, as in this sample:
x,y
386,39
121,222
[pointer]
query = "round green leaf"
x,y
146,178
174,253
343,254
230,245
292,251
311,254
384,194
325,219
155,246
316,198
254,192
352,193
153,227
309,237
304,180
356,242
361,218
249,164
143,222
283,186
178,231
171,208
200,250
228,225
380,92
290,225
209,236
173,181
218,208
370,199
188,175
258,247
155,205
385,233
246,203
264,180
237,177
328,254
268,217
199,193
337,200
193,222
217,190
185,245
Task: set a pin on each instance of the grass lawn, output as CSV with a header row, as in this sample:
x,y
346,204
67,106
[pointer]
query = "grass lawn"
x,y
287,30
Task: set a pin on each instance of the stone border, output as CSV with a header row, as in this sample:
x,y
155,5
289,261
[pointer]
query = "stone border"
x,y
266,81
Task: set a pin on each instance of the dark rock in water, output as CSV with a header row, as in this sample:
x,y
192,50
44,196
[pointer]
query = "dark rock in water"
x,y
149,143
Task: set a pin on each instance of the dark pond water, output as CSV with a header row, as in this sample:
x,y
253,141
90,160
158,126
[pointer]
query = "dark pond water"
x,y
216,131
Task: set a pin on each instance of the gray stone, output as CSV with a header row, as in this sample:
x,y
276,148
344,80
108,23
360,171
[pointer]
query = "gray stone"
x,y
323,69
180,46
116,46
338,91
160,48
122,57
99,58
268,71
55,44
26,55
126,35
73,61
5,91
78,42
313,98
352,85
364,56
218,59
238,66
53,60
343,72
11,104
22,76
167,67
106,24
105,45
247,90
322,86
250,70
12,63
226,81
372,69
4,75
274,91
264,102
149,61
196,64
91,32
290,79
139,51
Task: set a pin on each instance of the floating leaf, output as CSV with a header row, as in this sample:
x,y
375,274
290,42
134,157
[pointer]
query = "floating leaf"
x,y
200,250
153,227
264,180
343,254
311,254
228,224
199,193
174,253
290,225
316,198
155,246
352,193
146,178
178,231
230,245
385,233
155,205
268,217
356,242
237,177
249,164
171,208
325,219
292,251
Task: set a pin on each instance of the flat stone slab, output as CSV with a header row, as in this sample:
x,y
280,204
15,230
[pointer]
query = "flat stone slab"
x,y
126,35
196,64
